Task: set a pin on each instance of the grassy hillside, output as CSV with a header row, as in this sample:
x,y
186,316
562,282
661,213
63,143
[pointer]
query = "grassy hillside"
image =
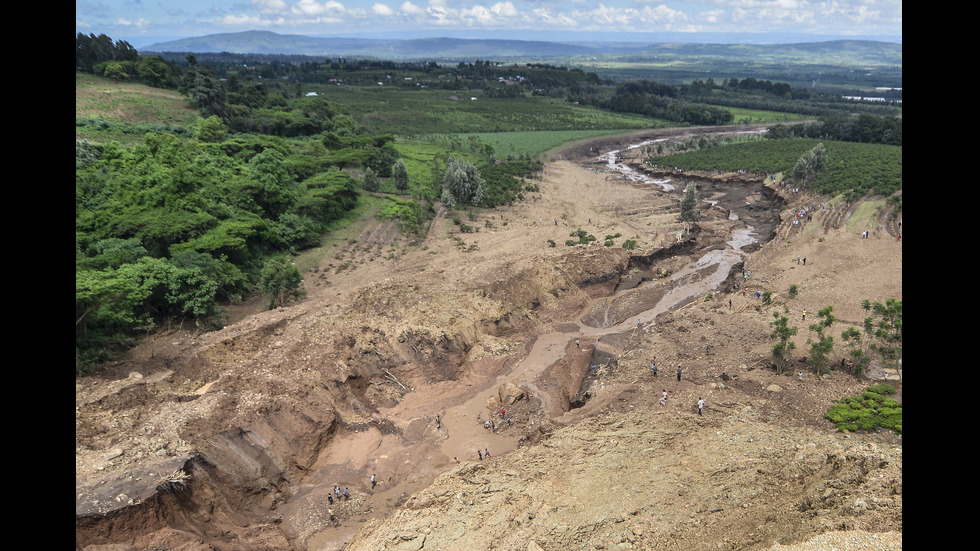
x,y
118,104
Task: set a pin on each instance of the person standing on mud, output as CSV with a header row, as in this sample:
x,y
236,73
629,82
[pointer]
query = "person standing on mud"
x,y
663,399
678,373
373,482
804,314
478,452
700,406
438,422
654,366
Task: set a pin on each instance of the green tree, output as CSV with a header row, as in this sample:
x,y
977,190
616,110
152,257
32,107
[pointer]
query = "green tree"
x,y
281,281
689,206
461,184
116,71
276,188
211,130
822,343
884,326
371,181
400,173
810,164
382,160
153,71
782,332
859,352
207,93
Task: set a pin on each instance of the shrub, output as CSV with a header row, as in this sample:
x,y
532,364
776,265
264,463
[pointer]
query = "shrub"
x,y
793,289
281,281
882,388
584,238
867,412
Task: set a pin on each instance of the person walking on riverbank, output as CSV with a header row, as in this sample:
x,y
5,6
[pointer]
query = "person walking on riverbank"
x,y
678,373
654,366
700,406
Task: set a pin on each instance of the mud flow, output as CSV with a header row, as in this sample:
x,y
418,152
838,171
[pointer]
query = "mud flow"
x,y
407,435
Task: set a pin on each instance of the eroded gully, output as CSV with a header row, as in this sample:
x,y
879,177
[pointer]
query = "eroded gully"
x,y
462,419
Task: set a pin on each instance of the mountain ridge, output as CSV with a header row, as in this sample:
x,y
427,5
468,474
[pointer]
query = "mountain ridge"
x,y
267,42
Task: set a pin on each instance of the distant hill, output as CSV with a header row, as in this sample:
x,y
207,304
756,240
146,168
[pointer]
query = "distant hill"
x,y
266,42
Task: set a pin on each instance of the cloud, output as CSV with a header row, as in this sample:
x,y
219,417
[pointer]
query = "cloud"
x,y
382,10
314,8
270,6
411,9
495,15
139,23
867,17
439,12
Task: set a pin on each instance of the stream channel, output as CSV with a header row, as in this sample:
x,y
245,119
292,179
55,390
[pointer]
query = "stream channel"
x,y
609,322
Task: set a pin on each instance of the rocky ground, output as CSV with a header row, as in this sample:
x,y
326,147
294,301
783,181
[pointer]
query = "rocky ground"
x,y
236,439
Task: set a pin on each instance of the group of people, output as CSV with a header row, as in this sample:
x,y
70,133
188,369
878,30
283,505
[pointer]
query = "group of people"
x,y
679,369
663,397
345,494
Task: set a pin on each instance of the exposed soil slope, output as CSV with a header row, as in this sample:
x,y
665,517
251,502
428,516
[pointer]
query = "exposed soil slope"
x,y
268,415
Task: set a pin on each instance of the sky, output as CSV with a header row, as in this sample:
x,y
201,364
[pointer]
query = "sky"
x,y
143,22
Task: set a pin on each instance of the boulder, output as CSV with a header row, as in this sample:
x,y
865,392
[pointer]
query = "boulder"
x,y
508,393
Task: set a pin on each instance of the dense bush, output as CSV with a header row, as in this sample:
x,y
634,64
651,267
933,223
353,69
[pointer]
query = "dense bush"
x,y
503,180
867,411
169,228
